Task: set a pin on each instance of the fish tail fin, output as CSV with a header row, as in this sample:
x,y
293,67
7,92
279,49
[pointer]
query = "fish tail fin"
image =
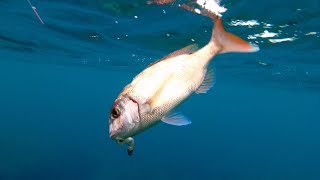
x,y
229,42
226,41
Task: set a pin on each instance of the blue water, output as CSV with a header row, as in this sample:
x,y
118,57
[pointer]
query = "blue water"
x,y
58,81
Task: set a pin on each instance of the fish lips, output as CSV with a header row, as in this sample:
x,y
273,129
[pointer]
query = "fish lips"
x,y
114,137
114,134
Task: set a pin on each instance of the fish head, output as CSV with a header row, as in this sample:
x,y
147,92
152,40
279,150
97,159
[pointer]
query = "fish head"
x,y
124,117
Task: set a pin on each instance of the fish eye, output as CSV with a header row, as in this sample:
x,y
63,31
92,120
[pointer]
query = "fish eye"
x,y
115,113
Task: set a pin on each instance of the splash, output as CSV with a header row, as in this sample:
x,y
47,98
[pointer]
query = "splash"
x,y
213,6
244,23
264,34
282,40
210,5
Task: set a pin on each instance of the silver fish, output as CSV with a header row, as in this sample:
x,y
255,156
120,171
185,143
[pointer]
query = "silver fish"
x,y
153,94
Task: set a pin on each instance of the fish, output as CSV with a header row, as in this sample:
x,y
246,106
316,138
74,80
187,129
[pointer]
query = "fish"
x,y
153,95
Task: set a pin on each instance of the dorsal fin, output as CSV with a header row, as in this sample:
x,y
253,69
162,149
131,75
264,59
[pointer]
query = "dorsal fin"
x,y
186,50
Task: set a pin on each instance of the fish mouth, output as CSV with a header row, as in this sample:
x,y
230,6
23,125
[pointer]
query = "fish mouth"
x,y
113,136
117,139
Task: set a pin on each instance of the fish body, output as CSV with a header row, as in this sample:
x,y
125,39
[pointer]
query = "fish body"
x,y
161,87
154,93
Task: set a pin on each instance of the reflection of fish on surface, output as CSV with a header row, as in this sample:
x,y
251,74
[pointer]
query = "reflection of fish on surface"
x,y
164,84
159,2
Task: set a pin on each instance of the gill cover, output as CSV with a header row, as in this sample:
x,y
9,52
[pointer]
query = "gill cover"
x,y
124,116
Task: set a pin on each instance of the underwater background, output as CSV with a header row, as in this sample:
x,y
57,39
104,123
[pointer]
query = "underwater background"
x,y
59,79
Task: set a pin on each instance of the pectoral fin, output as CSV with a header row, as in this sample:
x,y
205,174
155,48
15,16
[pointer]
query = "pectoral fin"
x,y
176,119
153,100
145,108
